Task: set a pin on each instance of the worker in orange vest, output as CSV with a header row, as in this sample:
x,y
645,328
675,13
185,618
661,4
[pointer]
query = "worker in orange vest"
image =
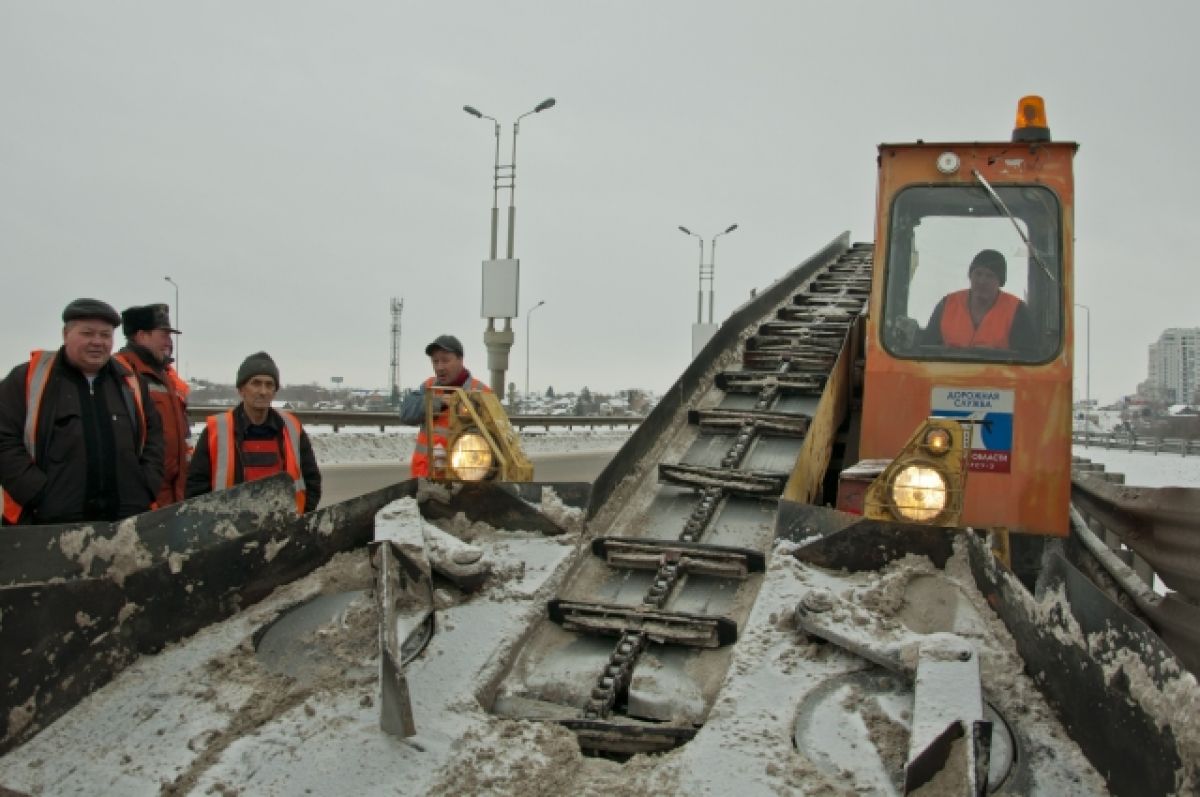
x,y
253,441
982,316
446,356
80,439
148,350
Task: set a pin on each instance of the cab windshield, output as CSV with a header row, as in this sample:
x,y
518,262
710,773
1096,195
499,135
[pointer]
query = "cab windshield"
x,y
962,284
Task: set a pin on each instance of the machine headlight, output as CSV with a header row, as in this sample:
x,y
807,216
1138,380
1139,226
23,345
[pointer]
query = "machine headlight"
x,y
471,458
918,493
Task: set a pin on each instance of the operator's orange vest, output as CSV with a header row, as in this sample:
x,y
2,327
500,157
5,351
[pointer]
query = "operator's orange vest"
x,y
222,452
41,364
959,330
441,422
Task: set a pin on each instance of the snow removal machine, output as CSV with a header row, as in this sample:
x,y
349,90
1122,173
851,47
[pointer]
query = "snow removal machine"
x,y
847,553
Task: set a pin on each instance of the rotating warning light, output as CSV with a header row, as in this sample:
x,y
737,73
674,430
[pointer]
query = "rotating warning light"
x,y
1031,120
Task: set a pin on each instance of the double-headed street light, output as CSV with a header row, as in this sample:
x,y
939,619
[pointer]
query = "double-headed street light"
x,y
178,358
707,270
501,277
529,337
703,331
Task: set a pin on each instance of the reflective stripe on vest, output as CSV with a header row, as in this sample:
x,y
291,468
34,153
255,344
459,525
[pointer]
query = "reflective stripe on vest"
x,y
222,448
41,364
959,330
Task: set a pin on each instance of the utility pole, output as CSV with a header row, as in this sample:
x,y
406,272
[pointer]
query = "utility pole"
x,y
394,370
501,278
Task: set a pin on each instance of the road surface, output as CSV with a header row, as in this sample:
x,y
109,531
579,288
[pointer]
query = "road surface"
x,y
340,482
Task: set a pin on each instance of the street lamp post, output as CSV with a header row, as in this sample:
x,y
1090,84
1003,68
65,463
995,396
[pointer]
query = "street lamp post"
x,y
528,337
504,176
178,357
703,331
712,267
700,284
1087,426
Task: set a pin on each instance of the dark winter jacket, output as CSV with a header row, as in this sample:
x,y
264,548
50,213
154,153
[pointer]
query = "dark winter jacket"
x,y
199,478
90,461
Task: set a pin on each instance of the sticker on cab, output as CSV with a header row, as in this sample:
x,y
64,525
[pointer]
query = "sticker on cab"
x,y
992,429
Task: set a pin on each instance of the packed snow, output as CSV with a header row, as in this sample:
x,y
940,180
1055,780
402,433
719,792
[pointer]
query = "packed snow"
x,y
361,445
1145,468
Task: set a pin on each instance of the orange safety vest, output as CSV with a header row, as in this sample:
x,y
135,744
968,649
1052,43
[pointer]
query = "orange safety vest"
x,y
41,364
959,330
441,422
171,400
222,452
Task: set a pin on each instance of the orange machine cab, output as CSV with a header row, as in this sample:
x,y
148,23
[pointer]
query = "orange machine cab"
x,y
939,206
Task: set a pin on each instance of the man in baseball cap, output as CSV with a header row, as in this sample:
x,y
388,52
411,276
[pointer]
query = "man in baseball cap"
x,y
446,356
94,413
148,349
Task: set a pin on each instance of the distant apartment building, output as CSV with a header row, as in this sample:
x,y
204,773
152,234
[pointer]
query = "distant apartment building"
x,y
1174,373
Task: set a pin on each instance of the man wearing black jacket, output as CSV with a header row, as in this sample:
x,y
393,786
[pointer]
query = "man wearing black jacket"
x,y
254,441
80,439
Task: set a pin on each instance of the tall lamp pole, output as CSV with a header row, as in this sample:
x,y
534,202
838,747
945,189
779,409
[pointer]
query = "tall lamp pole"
x,y
1087,425
712,267
178,357
504,176
528,337
700,285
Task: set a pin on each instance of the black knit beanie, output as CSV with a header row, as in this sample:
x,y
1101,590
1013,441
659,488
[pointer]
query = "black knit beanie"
x,y
255,364
993,261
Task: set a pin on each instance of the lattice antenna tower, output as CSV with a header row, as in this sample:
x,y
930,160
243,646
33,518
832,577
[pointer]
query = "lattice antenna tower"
x,y
394,368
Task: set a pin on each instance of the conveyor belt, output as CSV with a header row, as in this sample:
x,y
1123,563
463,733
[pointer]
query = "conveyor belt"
x,y
679,565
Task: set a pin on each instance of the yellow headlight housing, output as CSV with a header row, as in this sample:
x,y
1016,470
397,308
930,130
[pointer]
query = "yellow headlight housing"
x,y
470,457
918,493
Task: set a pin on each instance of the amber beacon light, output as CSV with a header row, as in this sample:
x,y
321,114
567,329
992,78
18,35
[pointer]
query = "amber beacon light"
x,y
1031,120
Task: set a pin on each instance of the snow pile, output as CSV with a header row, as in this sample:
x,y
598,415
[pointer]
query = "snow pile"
x,y
362,445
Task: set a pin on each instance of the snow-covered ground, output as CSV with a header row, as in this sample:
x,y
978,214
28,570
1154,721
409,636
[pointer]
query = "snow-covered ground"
x,y
356,445
1144,468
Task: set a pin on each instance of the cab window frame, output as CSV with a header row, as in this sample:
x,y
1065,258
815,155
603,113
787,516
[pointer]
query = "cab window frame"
x,y
1037,206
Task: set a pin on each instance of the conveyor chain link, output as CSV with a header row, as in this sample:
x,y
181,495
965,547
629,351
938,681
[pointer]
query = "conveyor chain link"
x,y
615,678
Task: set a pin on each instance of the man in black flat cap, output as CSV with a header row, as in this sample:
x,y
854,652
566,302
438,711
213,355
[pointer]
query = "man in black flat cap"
x,y
80,439
147,352
253,441
446,356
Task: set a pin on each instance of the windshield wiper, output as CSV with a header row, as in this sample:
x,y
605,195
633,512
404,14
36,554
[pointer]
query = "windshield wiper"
x,y
1000,203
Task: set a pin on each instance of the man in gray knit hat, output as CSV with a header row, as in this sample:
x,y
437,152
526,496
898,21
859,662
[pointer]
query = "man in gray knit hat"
x,y
80,439
253,441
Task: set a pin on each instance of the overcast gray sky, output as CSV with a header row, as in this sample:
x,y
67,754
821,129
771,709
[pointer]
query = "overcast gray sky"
x,y
293,165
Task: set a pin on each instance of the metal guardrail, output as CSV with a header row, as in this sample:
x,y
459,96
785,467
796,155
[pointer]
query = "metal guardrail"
x,y
1147,532
1125,442
339,418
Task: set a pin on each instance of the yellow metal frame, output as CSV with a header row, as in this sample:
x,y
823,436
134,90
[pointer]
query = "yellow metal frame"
x,y
480,412
951,464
